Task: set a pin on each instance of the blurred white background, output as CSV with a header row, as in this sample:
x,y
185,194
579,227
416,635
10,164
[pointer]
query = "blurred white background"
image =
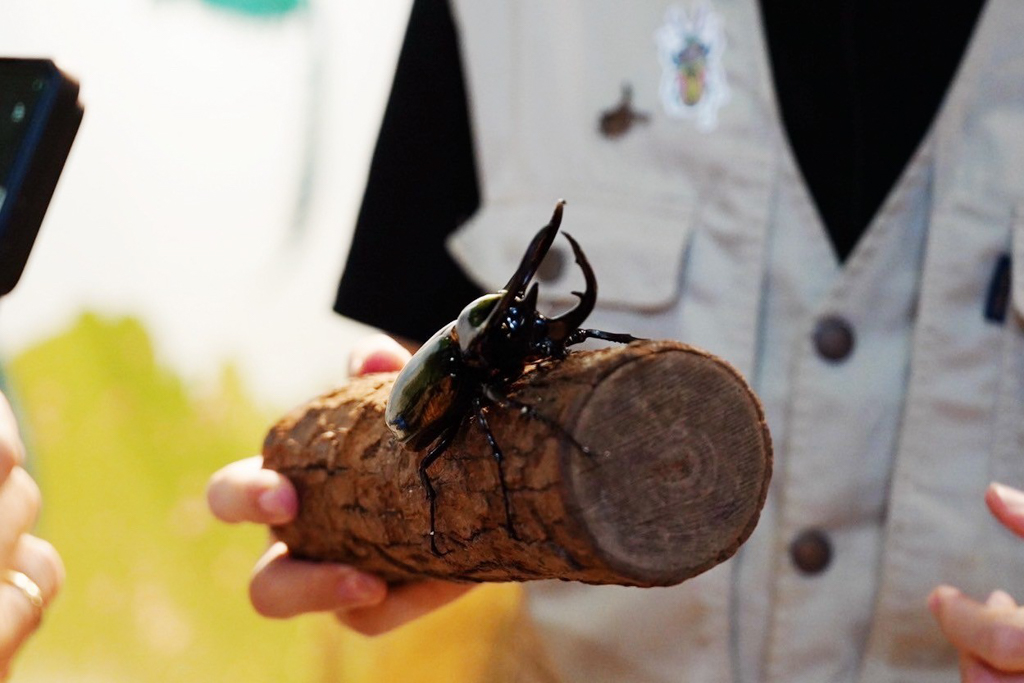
x,y
214,182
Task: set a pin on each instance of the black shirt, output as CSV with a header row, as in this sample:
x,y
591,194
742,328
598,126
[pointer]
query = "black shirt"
x,y
858,83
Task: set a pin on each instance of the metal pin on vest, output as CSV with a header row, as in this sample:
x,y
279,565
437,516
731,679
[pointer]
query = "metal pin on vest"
x,y
616,122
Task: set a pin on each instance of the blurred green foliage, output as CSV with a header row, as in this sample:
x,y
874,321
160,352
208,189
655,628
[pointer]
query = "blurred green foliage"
x,y
156,589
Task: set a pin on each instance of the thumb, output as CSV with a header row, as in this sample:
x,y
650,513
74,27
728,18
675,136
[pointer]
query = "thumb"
x,y
376,353
1007,505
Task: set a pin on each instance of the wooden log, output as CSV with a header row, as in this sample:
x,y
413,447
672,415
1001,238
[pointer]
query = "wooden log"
x,y
679,470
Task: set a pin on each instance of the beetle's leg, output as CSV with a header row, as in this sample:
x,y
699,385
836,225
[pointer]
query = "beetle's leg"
x,y
580,335
435,452
529,411
499,459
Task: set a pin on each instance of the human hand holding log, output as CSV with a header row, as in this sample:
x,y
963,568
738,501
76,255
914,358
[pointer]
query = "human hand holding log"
x,y
678,470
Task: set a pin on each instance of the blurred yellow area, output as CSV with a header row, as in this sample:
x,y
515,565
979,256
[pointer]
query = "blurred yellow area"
x,y
156,588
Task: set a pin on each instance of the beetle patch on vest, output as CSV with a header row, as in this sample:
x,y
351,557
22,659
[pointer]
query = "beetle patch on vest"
x,y
690,46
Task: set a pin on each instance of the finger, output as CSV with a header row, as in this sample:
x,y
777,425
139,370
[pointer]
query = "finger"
x,y
40,561
245,492
19,505
12,452
402,605
376,353
1007,504
1001,599
973,670
993,634
283,587
19,618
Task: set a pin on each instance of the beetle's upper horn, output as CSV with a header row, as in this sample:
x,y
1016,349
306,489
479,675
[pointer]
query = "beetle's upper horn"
x,y
535,253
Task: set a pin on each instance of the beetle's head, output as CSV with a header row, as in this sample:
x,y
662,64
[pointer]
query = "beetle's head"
x,y
495,328
486,328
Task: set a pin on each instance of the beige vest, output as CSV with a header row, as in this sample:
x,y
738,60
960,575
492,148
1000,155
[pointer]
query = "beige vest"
x,y
704,232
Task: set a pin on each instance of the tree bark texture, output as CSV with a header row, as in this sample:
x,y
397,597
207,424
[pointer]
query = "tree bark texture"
x,y
678,470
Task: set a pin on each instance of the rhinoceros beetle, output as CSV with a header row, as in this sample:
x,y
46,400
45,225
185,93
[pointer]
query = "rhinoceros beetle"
x,y
469,363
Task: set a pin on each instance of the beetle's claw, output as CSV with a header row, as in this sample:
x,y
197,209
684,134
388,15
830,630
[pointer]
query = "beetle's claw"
x,y
433,546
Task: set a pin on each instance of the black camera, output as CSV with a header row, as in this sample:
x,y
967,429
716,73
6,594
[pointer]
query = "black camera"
x,y
39,118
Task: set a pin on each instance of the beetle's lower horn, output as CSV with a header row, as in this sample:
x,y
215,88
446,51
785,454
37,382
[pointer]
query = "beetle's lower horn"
x,y
562,326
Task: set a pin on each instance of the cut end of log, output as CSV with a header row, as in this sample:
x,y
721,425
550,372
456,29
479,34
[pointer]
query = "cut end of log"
x,y
683,472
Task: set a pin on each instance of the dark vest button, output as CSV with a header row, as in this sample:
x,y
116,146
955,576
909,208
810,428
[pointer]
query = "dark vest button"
x,y
811,551
833,338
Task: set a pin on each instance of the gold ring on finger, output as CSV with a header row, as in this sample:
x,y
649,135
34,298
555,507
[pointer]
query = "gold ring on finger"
x,y
28,587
